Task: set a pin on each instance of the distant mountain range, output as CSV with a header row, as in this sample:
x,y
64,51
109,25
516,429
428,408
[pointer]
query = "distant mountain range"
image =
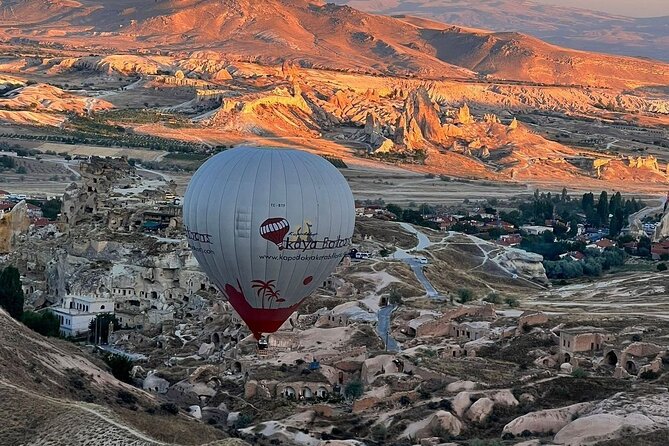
x,y
575,28
315,34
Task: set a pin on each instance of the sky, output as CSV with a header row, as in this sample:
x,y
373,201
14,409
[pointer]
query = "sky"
x,y
631,8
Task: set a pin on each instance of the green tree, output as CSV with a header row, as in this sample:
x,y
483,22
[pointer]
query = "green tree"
x,y
121,366
394,209
465,295
395,297
21,170
99,327
573,228
494,298
617,222
11,292
45,323
603,208
354,389
511,301
588,202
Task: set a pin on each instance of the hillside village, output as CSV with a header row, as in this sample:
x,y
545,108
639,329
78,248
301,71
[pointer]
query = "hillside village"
x,y
397,330
506,283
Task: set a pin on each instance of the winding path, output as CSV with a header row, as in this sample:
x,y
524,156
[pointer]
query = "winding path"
x,y
383,328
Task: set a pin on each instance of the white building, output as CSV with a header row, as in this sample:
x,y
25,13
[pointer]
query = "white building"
x,y
76,313
536,230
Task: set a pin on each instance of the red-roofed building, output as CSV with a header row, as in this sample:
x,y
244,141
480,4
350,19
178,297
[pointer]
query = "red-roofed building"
x,y
447,222
602,244
576,256
6,206
659,250
4,195
510,239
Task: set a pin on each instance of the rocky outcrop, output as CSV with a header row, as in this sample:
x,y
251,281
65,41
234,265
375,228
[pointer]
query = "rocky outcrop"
x,y
641,162
419,123
662,228
373,130
524,264
221,75
445,422
514,124
463,400
546,421
480,410
464,115
600,427
154,383
491,118
12,225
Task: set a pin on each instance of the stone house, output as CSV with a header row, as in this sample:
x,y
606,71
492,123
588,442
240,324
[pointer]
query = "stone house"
x,y
431,325
470,331
635,359
581,340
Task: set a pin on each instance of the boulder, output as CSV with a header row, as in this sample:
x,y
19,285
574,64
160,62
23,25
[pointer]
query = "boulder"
x,y
232,418
153,383
566,368
545,421
458,386
461,403
206,350
525,264
504,398
480,410
599,427
195,412
447,422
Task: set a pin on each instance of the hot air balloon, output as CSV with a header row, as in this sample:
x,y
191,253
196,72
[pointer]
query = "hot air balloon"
x,y
268,226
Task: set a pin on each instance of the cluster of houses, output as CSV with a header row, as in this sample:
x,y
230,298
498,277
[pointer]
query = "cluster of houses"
x,y
9,200
595,238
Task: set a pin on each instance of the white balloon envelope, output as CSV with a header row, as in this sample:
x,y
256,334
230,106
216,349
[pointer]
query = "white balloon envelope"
x,y
268,226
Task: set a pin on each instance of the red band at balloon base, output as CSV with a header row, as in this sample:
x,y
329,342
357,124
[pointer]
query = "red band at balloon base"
x,y
259,320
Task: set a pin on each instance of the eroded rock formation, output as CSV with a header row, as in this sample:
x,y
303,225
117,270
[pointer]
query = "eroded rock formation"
x,y
12,225
419,122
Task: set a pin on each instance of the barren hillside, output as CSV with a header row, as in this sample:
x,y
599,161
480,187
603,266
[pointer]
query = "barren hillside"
x,y
53,394
316,34
582,29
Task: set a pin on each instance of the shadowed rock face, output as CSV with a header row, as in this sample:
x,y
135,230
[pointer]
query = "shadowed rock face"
x,y
419,122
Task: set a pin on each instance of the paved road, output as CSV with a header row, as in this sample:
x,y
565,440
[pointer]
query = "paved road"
x,y
383,327
638,216
417,269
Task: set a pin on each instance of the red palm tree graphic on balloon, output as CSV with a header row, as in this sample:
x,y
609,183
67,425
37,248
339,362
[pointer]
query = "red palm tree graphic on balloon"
x,y
267,290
